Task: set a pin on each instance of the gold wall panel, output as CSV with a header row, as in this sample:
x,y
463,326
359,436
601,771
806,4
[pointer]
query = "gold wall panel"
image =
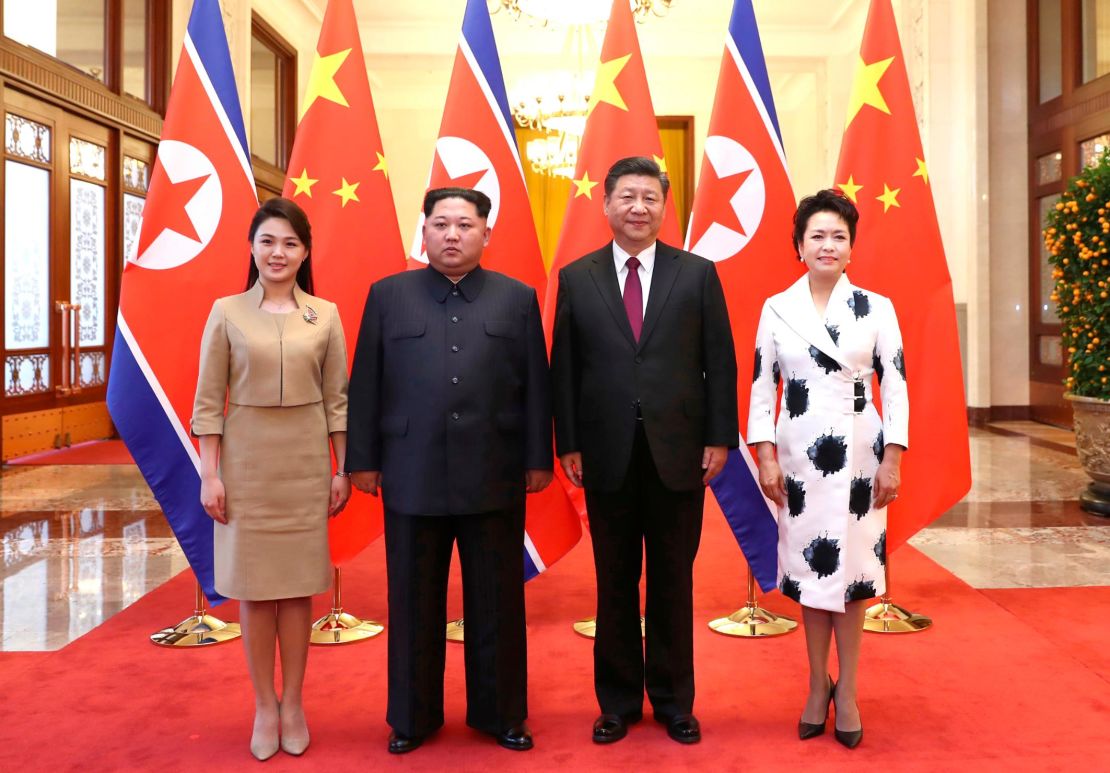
x,y
28,433
89,421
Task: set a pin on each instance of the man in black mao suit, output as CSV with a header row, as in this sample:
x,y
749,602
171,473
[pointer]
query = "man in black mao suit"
x,y
644,377
450,414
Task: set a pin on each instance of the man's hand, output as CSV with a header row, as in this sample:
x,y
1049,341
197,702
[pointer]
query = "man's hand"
x,y
536,481
367,481
572,466
712,461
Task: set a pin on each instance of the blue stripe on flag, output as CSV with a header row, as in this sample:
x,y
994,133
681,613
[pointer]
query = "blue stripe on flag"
x,y
753,525
745,34
206,29
169,470
478,32
530,569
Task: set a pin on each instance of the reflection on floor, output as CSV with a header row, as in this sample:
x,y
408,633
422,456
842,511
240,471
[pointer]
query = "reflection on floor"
x,y
80,543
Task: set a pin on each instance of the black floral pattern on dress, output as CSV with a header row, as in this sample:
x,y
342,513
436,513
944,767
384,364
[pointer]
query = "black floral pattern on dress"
x,y
797,397
877,364
824,361
758,368
829,454
775,374
834,333
859,500
879,447
860,304
795,496
791,588
823,556
880,548
900,363
860,590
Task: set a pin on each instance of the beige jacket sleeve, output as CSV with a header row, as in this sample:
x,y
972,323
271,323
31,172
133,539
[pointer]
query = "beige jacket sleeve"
x,y
212,380
334,373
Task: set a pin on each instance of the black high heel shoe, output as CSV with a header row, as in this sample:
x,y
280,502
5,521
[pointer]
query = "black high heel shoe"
x,y
807,730
848,738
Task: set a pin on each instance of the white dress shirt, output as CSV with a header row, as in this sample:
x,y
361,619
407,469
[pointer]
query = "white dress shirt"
x,y
647,263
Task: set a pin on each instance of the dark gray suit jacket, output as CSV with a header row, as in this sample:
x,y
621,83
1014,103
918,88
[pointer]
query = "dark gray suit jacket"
x,y
450,392
681,376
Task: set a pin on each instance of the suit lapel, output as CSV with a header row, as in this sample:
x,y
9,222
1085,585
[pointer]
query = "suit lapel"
x,y
604,274
795,307
662,280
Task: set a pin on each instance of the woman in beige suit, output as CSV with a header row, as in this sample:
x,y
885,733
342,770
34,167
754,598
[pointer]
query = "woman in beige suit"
x,y
275,355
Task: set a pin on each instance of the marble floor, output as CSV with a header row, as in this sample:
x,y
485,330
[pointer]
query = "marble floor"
x,y
80,543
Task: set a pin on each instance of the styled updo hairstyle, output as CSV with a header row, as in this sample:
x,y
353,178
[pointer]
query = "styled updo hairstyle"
x,y
828,200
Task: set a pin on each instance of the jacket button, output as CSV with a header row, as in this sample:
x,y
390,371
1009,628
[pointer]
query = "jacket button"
x,y
454,319
454,379
455,416
455,292
639,359
455,348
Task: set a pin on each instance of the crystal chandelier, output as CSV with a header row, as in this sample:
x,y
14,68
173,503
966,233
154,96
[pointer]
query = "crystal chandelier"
x,y
569,12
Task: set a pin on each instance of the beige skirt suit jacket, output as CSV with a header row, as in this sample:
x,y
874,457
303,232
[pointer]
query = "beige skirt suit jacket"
x,y
283,378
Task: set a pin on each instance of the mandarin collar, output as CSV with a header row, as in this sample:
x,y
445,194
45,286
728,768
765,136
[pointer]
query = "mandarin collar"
x,y
469,286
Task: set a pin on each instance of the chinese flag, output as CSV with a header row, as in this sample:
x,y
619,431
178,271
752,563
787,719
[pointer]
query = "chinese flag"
x,y
898,253
338,175
620,123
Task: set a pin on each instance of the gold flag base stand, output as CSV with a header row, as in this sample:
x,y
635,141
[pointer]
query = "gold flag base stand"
x,y
339,627
752,620
455,630
888,617
587,627
199,630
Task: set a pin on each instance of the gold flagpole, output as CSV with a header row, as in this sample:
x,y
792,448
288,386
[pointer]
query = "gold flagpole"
x,y
455,630
752,620
888,617
199,630
339,627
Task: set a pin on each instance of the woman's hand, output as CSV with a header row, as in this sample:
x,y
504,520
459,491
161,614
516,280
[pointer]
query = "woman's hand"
x,y
340,493
771,479
888,478
212,498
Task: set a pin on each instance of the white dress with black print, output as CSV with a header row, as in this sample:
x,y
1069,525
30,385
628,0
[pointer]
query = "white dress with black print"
x,y
829,435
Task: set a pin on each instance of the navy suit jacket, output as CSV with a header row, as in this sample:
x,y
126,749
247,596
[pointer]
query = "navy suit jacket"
x,y
450,392
680,376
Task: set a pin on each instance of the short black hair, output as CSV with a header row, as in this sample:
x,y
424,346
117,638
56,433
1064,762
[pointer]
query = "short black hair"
x,y
641,166
288,211
828,200
480,200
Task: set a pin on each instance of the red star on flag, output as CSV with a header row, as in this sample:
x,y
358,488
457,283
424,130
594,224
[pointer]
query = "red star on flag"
x,y
171,202
718,193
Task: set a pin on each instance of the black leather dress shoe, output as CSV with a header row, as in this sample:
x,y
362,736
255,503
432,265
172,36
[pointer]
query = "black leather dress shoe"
x,y
807,730
402,744
610,728
683,728
518,738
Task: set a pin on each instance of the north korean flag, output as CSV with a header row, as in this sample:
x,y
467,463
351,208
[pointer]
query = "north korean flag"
x,y
192,249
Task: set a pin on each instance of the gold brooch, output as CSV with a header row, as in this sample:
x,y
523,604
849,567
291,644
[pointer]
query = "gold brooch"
x,y
309,315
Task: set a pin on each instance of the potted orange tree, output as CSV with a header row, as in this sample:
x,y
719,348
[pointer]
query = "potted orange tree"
x,y
1077,236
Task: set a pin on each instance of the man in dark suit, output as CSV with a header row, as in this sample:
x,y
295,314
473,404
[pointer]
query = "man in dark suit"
x,y
644,378
450,415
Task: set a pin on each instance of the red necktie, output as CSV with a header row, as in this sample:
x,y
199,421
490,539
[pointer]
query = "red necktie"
x,y
634,298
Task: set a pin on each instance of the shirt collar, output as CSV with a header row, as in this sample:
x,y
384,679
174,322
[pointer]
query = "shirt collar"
x,y
646,258
469,286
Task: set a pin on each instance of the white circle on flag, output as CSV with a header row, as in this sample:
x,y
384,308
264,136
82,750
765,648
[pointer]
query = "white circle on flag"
x,y
728,157
462,158
170,249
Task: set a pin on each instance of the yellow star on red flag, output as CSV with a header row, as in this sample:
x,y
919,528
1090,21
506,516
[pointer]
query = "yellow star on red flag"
x,y
381,166
321,81
585,186
348,192
850,189
304,184
605,86
889,197
865,88
922,170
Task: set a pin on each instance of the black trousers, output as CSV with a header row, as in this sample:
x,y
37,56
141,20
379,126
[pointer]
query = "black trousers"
x,y
644,514
418,559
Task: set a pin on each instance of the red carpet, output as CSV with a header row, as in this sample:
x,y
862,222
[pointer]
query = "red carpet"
x,y
90,452
984,689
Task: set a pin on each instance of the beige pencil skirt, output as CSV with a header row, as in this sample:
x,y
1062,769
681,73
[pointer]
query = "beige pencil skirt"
x,y
275,464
